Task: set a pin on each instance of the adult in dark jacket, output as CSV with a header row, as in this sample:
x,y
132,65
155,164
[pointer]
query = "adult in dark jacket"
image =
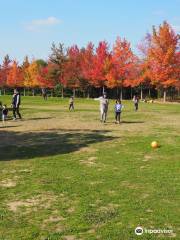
x,y
16,101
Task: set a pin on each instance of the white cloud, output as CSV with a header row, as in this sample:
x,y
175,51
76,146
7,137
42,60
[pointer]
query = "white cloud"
x,y
39,23
176,28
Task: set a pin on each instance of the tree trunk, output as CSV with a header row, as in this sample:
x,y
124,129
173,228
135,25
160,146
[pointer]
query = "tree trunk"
x,y
24,92
121,97
103,90
117,93
84,94
33,92
51,92
141,93
62,92
131,92
88,92
4,91
74,92
164,97
149,93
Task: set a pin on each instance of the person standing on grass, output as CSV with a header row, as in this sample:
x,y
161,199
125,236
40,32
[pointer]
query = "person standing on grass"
x,y
118,108
16,101
136,102
44,93
104,102
71,103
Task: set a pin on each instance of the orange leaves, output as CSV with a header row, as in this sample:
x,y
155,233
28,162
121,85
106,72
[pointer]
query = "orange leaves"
x,y
123,65
159,65
31,75
162,56
15,76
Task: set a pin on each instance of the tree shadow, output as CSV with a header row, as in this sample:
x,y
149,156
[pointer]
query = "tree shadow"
x,y
18,145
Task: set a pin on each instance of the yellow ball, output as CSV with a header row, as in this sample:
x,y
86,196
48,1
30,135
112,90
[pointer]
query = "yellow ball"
x,y
154,144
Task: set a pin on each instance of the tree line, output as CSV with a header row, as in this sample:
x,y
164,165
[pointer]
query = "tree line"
x,y
118,68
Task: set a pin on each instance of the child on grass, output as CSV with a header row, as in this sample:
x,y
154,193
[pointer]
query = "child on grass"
x,y
118,108
4,112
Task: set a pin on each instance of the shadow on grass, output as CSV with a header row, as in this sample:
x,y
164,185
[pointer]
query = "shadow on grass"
x,y
5,126
38,118
18,145
132,122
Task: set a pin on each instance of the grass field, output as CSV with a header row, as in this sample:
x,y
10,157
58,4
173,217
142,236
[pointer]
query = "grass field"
x,y
64,175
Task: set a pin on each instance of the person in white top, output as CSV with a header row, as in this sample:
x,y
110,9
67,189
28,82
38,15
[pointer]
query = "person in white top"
x,y
104,102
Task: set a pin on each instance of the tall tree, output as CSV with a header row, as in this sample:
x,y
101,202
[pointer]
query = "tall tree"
x,y
4,71
31,75
24,67
163,57
122,68
87,65
101,65
73,75
59,58
46,77
15,76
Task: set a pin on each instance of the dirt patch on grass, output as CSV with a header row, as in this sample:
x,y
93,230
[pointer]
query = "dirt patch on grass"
x,y
89,162
86,150
95,183
54,219
71,210
144,195
149,210
130,185
147,158
8,183
40,201
69,237
91,231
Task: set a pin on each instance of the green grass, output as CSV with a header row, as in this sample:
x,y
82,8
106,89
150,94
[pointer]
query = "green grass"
x,y
64,175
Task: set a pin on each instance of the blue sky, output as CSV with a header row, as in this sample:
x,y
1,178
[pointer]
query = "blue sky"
x,y
30,27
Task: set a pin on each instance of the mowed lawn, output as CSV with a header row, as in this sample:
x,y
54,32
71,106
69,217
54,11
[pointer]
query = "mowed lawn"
x,y
64,175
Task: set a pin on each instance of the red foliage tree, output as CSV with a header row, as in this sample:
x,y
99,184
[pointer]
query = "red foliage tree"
x,y
101,62
15,76
123,65
72,68
163,57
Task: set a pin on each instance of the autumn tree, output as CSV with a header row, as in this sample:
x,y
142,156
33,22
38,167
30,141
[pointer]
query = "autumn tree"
x,y
122,65
15,76
46,76
31,76
163,57
73,74
101,65
87,65
24,67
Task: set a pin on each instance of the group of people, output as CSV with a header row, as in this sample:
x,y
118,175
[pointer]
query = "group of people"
x,y
16,101
104,102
